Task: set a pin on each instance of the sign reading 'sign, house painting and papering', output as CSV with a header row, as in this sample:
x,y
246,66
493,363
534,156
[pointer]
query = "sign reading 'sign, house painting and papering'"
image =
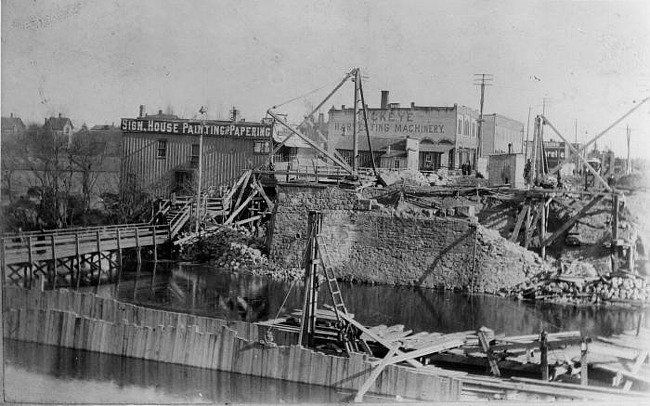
x,y
225,129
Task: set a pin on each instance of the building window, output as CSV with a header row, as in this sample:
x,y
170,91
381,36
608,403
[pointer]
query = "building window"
x,y
396,164
194,158
466,130
460,126
162,149
473,129
261,147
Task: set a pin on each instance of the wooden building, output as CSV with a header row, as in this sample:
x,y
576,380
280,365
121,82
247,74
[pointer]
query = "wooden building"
x,y
161,155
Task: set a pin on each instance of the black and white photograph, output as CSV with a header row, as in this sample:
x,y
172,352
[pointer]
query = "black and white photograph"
x,y
325,201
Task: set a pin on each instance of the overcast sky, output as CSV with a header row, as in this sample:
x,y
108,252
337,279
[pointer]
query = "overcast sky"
x,y
97,61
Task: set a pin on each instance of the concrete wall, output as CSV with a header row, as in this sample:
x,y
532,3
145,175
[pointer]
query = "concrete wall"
x,y
381,247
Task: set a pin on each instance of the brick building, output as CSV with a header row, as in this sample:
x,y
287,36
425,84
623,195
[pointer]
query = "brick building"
x,y
448,135
502,135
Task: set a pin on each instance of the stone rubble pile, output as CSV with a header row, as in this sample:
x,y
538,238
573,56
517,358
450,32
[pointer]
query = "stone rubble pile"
x,y
238,250
583,291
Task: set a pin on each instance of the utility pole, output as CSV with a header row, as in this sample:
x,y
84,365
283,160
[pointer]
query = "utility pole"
x,y
481,79
576,142
204,113
628,167
355,141
545,101
527,135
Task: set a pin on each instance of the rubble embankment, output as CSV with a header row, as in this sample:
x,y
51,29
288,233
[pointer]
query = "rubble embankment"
x,y
612,289
237,250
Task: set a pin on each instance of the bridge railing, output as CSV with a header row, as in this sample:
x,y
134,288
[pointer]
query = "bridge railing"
x,y
74,230
23,248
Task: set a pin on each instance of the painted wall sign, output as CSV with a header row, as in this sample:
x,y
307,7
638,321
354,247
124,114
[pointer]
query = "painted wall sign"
x,y
225,129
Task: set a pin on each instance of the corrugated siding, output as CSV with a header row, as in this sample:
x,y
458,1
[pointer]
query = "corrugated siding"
x,y
224,159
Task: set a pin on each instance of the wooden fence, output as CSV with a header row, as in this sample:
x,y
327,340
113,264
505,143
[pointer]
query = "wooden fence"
x,y
85,321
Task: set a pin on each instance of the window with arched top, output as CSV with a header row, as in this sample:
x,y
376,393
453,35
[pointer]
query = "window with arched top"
x,y
460,126
466,129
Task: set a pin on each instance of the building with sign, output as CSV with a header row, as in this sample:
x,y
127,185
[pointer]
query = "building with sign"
x,y
448,135
162,155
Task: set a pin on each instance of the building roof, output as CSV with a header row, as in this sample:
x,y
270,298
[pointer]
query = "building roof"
x,y
12,123
104,127
58,123
395,154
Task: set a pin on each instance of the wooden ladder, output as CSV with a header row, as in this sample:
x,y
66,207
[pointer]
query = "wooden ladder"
x,y
347,333
332,284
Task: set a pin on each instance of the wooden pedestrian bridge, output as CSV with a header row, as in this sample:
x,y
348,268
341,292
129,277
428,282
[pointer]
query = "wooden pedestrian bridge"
x,y
74,256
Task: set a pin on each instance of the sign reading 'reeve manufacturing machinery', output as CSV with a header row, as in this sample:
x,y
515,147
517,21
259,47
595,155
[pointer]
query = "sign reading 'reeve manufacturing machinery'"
x,y
226,129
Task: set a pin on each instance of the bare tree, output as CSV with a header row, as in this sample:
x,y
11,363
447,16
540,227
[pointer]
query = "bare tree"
x,y
87,152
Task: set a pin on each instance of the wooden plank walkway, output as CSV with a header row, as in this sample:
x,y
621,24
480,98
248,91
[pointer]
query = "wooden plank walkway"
x,y
30,247
83,252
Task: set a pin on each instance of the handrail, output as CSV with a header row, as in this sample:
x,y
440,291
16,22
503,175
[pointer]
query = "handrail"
x,y
62,231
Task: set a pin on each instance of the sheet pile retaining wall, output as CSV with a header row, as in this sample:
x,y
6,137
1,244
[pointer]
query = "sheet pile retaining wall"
x,y
88,322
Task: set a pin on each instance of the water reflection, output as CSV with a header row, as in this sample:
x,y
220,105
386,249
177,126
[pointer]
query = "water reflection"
x,y
42,373
206,291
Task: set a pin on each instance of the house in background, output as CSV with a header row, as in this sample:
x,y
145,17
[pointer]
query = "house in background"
x,y
12,127
59,126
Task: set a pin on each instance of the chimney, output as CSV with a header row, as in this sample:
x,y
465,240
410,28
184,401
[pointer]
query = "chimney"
x,y
59,115
384,99
11,115
412,105
342,106
160,112
142,111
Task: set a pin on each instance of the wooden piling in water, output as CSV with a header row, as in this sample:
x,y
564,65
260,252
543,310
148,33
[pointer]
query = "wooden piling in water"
x,y
54,273
78,257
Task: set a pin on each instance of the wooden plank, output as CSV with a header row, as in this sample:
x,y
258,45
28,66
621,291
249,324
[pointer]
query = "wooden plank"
x,y
568,224
376,338
374,375
241,207
443,344
485,345
520,220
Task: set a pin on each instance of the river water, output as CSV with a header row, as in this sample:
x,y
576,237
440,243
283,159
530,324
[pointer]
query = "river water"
x,y
39,373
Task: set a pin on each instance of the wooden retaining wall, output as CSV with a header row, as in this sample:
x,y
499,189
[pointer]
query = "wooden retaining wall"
x,y
85,321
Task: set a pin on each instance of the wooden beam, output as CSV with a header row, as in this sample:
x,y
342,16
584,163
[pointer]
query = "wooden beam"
x,y
485,344
375,374
232,190
573,220
443,344
260,189
247,177
635,368
575,151
337,161
241,207
372,335
520,220
53,247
